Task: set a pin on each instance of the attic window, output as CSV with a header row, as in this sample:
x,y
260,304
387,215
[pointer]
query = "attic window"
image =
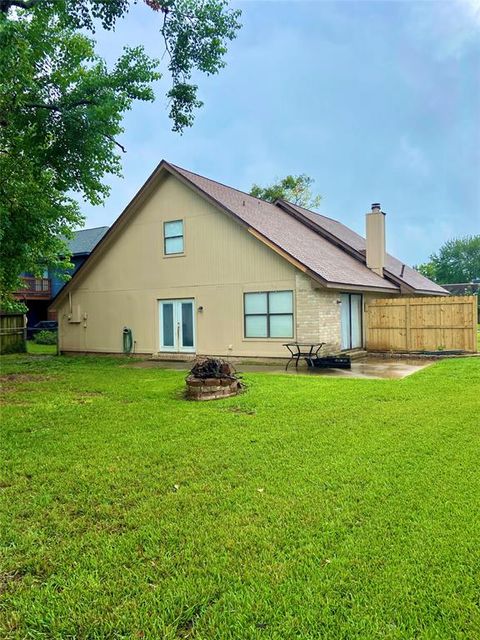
x,y
173,237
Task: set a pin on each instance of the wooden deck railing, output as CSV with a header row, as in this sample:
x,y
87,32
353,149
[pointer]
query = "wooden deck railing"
x,y
35,288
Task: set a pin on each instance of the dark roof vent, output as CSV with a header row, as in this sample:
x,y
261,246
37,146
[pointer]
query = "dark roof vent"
x,y
376,206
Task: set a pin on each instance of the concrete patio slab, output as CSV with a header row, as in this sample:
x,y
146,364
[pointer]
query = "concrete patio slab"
x,y
373,368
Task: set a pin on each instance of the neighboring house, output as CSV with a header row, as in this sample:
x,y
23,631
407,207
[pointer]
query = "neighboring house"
x,y
195,267
463,288
81,246
37,293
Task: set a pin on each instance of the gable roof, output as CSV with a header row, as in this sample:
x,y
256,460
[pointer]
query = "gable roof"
x,y
85,240
329,263
333,263
393,267
323,248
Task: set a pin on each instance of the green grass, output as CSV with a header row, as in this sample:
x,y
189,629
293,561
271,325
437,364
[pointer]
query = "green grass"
x,y
44,349
307,508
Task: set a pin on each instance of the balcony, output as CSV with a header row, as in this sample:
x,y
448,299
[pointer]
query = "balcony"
x,y
34,289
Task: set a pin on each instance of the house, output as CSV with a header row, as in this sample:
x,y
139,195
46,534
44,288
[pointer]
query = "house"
x,y
463,288
81,246
37,293
195,267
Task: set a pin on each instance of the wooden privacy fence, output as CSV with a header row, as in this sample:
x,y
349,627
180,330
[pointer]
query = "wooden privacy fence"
x,y
422,324
12,332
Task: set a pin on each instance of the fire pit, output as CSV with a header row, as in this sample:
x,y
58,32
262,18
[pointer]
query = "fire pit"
x,y
212,378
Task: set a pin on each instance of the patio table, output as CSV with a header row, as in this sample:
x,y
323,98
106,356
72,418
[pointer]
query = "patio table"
x,y
307,350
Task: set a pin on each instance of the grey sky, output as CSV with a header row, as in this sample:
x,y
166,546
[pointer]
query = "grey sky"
x,y
378,101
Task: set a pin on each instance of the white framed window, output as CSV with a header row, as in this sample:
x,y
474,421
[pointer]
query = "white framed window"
x,y
173,237
268,314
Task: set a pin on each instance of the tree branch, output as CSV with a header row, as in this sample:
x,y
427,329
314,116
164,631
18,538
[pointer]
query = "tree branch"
x,y
115,142
59,107
164,35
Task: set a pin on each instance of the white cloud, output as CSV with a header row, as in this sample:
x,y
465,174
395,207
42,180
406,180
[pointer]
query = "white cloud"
x,y
450,27
410,158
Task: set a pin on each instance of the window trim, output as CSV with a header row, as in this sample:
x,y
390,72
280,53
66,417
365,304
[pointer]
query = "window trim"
x,y
268,315
165,238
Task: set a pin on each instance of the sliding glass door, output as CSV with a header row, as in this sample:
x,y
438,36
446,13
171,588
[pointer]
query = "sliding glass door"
x,y
351,321
177,325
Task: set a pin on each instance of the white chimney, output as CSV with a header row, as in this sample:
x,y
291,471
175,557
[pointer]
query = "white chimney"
x,y
375,234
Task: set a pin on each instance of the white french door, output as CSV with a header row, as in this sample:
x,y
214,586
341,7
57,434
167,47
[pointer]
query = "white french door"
x,y
177,325
351,321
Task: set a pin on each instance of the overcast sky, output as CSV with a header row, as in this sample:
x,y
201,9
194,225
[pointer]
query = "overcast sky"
x,y
377,101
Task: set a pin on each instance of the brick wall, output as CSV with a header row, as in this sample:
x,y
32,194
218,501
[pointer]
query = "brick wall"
x,y
318,314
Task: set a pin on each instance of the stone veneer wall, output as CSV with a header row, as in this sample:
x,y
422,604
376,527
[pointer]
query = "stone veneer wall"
x,y
318,314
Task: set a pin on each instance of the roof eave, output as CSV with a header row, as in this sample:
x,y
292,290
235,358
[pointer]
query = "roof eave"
x,y
403,286
360,287
429,292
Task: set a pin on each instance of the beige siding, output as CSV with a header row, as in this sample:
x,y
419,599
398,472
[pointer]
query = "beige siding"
x,y
222,260
122,285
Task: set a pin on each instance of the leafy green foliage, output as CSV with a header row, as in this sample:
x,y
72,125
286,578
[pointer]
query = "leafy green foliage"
x,y
46,337
195,35
308,507
61,111
10,305
458,260
295,189
62,107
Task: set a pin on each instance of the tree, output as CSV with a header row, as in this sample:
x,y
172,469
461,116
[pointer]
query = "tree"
x,y
295,189
458,260
61,110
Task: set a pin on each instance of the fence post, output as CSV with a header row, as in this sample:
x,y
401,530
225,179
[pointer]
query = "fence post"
x,y
408,328
474,322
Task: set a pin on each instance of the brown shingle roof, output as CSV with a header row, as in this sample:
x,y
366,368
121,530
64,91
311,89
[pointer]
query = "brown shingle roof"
x,y
302,236
320,256
293,237
394,266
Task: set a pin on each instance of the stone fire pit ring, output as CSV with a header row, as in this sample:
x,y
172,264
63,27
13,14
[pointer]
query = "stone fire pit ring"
x,y
212,379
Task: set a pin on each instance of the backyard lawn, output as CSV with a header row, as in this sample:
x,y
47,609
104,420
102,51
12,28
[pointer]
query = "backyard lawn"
x,y
307,508
45,349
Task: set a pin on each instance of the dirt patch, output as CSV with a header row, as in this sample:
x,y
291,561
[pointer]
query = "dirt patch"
x,y
23,377
9,399
12,384
9,577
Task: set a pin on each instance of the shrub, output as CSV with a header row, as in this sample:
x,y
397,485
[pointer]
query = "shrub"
x,y
46,337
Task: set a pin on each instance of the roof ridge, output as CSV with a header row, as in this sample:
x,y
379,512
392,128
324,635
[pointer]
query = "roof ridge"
x,y
222,184
103,226
274,204
311,211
